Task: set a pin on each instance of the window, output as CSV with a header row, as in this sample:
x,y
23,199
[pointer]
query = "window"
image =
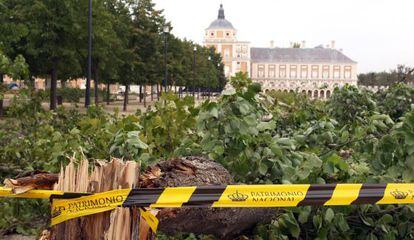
x,y
337,72
212,34
226,52
227,34
325,72
271,71
304,71
315,71
282,71
293,71
261,70
348,72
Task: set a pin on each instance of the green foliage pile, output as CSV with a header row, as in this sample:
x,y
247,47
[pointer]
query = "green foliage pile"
x,y
354,137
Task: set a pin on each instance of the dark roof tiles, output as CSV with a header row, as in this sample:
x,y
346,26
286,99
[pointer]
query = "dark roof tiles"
x,y
314,55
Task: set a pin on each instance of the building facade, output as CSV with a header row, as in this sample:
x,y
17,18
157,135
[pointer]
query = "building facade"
x,y
223,37
313,71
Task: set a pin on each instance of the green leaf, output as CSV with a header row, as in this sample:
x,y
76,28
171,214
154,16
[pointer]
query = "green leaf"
x,y
329,215
263,169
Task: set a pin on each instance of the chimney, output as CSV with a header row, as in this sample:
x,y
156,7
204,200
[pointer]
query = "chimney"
x,y
272,44
333,44
303,44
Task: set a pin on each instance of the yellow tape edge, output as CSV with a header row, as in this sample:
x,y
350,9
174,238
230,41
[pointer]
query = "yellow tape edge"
x,y
34,194
151,220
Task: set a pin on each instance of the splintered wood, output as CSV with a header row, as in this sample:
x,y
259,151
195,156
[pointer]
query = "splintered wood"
x,y
121,223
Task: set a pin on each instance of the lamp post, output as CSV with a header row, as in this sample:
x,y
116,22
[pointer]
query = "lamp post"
x,y
218,73
166,31
88,80
209,81
194,68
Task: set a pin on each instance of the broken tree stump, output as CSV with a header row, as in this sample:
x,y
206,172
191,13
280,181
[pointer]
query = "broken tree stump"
x,y
117,224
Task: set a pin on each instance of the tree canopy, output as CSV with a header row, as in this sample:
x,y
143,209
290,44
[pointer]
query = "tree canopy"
x,y
128,44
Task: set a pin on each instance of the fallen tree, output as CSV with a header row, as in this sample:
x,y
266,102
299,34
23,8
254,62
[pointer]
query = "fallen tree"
x,y
123,223
224,223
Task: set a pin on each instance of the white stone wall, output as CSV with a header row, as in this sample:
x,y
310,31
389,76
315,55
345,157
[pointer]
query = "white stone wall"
x,y
318,85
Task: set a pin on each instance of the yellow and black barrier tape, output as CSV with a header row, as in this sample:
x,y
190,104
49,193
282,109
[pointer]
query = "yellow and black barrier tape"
x,y
40,194
67,206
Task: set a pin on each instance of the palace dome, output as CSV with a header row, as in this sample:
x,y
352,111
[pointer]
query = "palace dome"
x,y
221,22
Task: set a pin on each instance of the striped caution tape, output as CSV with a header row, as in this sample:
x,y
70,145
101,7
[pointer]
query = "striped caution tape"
x,y
40,194
234,196
72,205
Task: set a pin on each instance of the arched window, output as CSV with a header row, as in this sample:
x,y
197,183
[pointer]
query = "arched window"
x,y
328,93
315,94
322,94
309,93
304,92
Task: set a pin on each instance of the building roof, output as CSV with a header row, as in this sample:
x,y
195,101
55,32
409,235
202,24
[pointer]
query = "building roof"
x,y
221,22
313,55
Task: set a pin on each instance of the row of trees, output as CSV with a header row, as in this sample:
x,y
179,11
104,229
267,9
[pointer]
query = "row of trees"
x,y
128,44
402,74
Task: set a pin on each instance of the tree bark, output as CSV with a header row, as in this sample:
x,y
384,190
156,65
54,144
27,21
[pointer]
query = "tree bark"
x,y
152,92
225,223
140,93
145,96
158,91
1,94
53,87
126,94
108,93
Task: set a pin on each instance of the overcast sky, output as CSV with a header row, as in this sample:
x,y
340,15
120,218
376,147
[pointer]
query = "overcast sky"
x,y
378,34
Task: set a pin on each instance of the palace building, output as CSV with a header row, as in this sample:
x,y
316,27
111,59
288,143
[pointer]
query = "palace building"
x,y
314,71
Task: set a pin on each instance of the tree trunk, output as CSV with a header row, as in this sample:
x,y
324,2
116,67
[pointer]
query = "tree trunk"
x,y
108,93
152,92
121,223
53,88
1,94
225,223
158,91
126,97
145,96
96,81
140,93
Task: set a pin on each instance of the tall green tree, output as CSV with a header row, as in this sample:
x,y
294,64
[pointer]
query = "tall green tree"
x,y
16,69
50,44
